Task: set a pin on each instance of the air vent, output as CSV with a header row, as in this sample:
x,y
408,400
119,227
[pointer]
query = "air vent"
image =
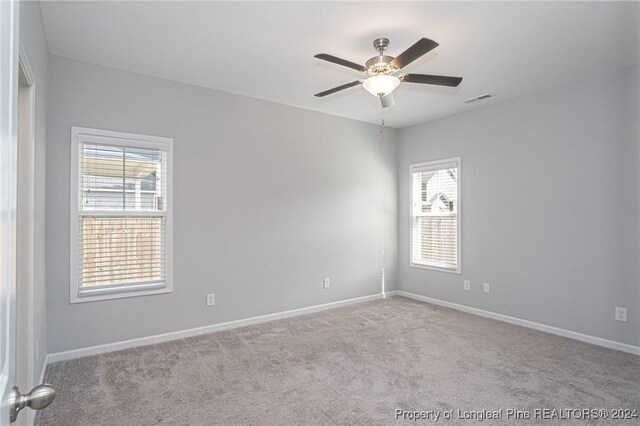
x,y
478,98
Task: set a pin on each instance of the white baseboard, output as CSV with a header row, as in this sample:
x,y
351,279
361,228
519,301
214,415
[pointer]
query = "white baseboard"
x,y
30,414
611,344
166,337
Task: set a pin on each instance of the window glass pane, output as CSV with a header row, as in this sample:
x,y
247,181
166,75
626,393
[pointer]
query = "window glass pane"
x,y
144,187
122,179
121,250
435,241
101,183
435,217
439,191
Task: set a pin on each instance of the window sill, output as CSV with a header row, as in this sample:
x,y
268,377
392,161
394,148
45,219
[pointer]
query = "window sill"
x,y
436,268
120,293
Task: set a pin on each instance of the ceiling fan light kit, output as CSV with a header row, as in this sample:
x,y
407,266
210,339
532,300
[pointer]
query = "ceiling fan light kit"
x,y
381,69
381,85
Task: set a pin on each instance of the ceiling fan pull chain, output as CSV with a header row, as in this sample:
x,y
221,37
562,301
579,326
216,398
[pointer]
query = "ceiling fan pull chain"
x,y
381,120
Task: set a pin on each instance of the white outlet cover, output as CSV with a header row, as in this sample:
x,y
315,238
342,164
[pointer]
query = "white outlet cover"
x,y
621,314
327,282
211,299
467,285
487,287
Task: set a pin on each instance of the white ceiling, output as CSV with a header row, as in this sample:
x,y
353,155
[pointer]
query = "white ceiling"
x,y
265,50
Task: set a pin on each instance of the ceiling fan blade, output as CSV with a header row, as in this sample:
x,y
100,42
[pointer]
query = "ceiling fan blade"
x,y
421,47
337,89
387,101
438,80
340,61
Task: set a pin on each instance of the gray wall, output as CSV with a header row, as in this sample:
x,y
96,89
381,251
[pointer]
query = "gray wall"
x,y
269,200
550,209
34,43
551,197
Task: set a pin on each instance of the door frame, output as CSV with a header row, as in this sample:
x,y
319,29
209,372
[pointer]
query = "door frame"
x,y
25,309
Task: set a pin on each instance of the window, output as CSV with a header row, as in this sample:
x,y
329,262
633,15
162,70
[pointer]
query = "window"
x,y
120,215
435,215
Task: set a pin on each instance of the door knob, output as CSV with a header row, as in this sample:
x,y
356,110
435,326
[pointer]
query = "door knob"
x,y
39,397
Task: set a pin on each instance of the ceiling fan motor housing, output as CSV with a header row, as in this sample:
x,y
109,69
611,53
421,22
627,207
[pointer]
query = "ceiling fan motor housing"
x,y
380,65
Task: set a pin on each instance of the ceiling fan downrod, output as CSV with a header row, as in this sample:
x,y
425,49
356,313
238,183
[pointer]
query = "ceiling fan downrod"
x,y
381,44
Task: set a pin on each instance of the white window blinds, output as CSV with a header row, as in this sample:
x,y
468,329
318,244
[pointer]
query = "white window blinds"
x,y
122,204
435,208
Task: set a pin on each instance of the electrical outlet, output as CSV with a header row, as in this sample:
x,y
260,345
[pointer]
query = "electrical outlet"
x,y
486,288
327,283
211,299
467,285
621,314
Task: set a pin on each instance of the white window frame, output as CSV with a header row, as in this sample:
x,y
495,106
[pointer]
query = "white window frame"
x,y
424,167
130,140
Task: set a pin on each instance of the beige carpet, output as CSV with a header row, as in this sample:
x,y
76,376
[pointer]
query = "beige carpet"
x,y
351,365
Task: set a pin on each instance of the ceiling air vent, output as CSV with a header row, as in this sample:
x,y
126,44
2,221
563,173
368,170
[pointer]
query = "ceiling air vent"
x,y
478,98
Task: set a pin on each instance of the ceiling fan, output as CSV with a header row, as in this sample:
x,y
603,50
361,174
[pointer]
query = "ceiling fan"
x,y
381,69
